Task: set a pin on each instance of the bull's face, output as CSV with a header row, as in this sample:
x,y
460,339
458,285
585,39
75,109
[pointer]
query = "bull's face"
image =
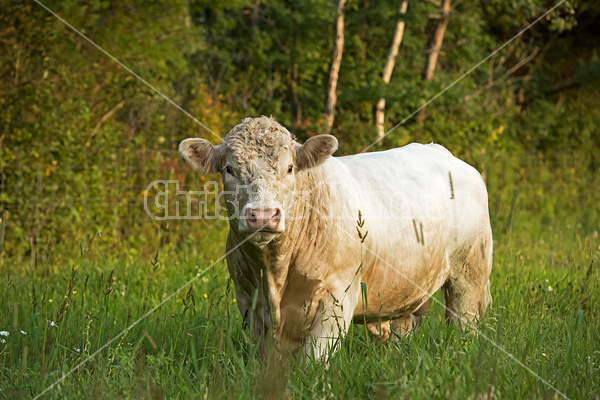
x,y
259,161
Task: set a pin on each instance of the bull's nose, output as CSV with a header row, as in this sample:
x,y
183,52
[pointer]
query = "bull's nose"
x,y
262,218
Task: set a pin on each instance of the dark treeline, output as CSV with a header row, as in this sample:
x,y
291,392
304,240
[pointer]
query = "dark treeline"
x,y
81,138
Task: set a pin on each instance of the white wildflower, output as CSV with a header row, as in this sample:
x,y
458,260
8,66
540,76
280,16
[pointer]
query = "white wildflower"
x,y
23,332
2,341
4,333
51,323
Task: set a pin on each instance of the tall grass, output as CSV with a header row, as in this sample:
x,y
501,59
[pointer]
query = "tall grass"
x,y
545,313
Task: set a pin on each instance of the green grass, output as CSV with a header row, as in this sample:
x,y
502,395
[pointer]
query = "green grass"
x,y
545,312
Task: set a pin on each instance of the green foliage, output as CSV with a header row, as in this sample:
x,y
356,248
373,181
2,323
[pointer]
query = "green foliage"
x,y
82,137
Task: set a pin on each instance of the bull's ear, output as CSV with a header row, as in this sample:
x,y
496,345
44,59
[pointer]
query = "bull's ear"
x,y
315,151
201,154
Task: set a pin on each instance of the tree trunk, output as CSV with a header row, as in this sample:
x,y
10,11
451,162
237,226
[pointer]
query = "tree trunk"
x,y
334,69
389,67
298,120
434,51
294,76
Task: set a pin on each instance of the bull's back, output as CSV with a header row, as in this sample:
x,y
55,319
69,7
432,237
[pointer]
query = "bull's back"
x,y
419,182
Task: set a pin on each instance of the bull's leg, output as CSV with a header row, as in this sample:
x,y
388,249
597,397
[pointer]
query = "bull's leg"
x,y
399,327
467,290
466,302
404,327
329,327
324,338
380,329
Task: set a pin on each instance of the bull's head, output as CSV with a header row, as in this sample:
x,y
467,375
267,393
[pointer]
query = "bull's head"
x,y
259,161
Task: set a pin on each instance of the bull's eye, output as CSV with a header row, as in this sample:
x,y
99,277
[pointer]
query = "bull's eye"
x,y
229,170
290,169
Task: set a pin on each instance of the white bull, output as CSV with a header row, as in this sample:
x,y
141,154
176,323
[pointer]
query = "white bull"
x,y
294,253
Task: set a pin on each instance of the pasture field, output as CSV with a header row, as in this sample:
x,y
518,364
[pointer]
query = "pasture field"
x,y
545,314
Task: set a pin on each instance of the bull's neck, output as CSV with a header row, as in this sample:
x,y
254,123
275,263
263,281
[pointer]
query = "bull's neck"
x,y
308,210
296,254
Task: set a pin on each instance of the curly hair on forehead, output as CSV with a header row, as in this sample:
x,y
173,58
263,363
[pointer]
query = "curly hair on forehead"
x,y
254,133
